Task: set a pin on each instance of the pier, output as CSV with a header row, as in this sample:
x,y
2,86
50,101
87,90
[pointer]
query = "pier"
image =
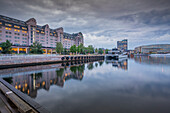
x,y
31,60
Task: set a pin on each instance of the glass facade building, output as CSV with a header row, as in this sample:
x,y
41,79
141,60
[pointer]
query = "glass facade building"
x,y
122,45
156,48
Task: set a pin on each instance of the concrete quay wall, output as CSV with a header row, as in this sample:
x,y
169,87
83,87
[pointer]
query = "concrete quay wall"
x,y
31,60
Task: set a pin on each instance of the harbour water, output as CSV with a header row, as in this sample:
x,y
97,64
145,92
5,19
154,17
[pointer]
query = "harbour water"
x,y
136,85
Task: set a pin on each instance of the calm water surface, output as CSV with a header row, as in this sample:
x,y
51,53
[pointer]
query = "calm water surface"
x,y
138,85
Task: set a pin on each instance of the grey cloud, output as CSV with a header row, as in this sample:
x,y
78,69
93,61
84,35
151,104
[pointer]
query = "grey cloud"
x,y
136,20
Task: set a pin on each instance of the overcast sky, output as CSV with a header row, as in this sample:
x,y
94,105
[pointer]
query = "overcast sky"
x,y
103,22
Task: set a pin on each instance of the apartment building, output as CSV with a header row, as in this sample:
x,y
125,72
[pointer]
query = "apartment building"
x,y
22,34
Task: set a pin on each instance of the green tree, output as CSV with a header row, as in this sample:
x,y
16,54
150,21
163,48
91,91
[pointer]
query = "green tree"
x,y
73,49
78,49
90,49
81,49
100,51
106,51
36,48
6,47
59,47
96,50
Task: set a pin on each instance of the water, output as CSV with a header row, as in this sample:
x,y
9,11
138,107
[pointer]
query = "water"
x,y
138,85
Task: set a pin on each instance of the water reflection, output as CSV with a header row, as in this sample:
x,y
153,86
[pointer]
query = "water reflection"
x,y
120,64
152,60
97,86
31,81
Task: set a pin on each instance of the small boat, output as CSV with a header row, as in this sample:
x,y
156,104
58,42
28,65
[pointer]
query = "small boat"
x,y
116,54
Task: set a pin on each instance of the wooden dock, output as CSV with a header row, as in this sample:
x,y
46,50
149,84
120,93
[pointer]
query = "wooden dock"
x,y
22,102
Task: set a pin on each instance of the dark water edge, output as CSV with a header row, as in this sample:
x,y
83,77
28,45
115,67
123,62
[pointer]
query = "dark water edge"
x,y
137,85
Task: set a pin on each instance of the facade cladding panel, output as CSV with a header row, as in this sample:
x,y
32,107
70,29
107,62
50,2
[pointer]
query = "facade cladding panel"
x,y
25,33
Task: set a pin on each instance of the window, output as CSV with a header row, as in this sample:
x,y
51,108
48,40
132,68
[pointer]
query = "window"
x,y
0,27
6,28
6,36
0,31
24,28
16,26
0,23
9,36
15,29
8,25
9,28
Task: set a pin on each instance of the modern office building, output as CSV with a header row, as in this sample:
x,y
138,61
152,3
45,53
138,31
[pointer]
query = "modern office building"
x,y
156,48
22,34
122,45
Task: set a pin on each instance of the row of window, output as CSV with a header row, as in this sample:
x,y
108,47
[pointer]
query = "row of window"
x,y
15,30
15,26
8,36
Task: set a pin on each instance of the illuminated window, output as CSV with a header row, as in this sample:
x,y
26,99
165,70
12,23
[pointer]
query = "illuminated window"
x,y
18,30
25,31
0,31
8,25
37,31
16,26
6,28
15,29
24,28
9,28
0,22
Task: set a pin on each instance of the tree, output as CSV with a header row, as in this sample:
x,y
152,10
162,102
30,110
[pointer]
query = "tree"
x,y
73,49
36,48
106,51
90,49
100,51
96,50
6,47
59,47
81,48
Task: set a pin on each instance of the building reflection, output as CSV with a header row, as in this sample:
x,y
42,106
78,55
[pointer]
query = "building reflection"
x,y
120,64
152,60
30,83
